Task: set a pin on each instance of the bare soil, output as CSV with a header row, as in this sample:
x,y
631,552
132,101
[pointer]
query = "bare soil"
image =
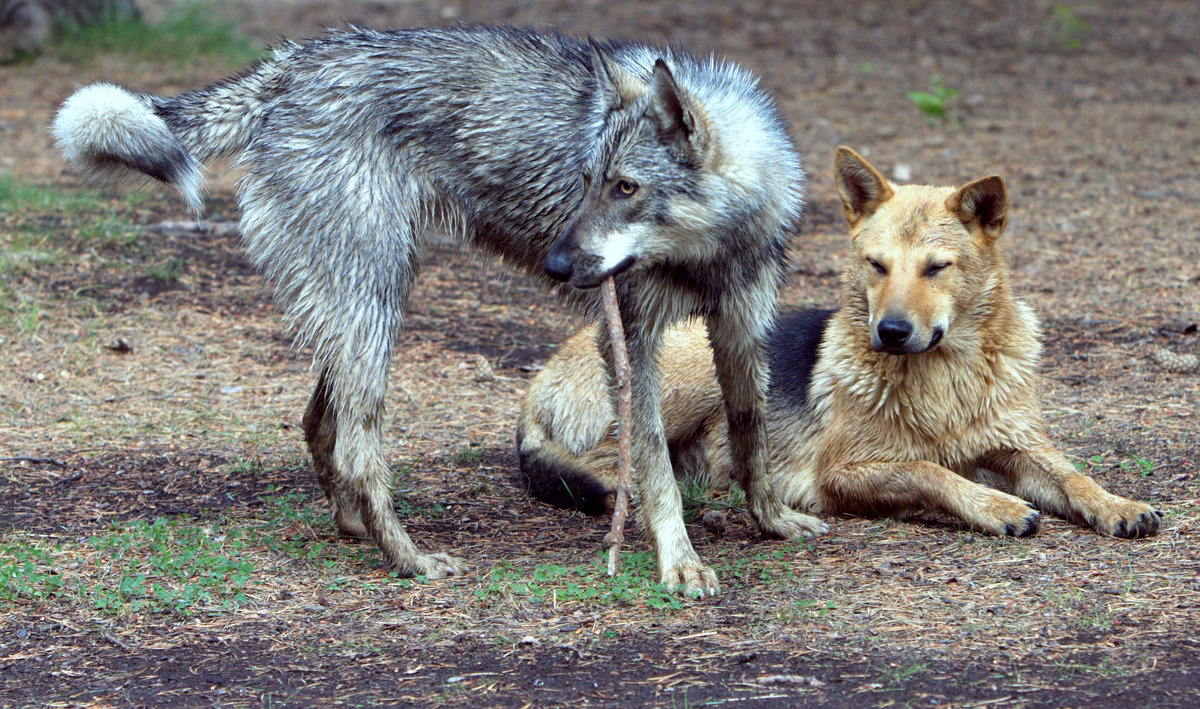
x,y
154,379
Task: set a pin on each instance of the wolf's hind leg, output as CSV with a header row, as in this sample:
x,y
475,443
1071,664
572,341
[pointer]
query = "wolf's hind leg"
x,y
344,427
320,432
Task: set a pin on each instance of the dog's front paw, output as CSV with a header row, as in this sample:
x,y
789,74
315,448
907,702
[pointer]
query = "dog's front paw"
x,y
1126,519
691,578
1006,515
786,523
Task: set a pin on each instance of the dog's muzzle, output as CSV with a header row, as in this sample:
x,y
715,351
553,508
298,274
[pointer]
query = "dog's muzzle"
x,y
895,336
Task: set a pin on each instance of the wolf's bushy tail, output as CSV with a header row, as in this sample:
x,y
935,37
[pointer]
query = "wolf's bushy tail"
x,y
112,134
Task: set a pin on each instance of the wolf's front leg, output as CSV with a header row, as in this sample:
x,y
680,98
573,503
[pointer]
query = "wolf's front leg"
x,y
660,507
1045,477
737,338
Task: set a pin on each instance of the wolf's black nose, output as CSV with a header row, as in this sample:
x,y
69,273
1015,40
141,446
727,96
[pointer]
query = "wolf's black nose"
x,y
893,332
558,265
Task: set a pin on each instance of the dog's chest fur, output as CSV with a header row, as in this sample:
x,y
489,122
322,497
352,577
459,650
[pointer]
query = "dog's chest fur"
x,y
950,406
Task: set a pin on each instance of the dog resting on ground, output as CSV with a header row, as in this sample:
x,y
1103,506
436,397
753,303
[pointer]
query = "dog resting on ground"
x,y
923,380
573,161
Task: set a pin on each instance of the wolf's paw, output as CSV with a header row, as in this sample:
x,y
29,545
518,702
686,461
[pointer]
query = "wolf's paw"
x,y
787,523
691,578
352,527
1007,515
436,566
1126,519
349,521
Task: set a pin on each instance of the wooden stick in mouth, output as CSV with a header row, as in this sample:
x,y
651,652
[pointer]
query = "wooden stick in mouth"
x,y
621,370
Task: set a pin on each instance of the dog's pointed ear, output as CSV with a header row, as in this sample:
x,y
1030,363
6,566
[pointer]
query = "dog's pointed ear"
x,y
982,203
861,187
681,123
618,87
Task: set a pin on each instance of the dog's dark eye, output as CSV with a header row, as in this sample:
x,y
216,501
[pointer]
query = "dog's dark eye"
x,y
877,266
625,188
935,268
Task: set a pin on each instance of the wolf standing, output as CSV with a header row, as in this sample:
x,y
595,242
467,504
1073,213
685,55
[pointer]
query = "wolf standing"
x,y
575,161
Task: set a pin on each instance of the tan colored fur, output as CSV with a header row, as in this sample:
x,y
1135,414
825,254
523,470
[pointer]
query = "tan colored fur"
x,y
883,432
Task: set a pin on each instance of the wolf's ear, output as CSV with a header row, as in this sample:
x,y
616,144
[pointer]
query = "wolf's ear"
x,y
681,123
861,187
984,203
618,87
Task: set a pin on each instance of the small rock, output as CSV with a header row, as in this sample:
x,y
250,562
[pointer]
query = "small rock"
x,y
714,521
120,346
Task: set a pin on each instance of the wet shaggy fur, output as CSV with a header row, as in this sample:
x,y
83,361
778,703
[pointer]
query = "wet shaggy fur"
x,y
571,160
921,383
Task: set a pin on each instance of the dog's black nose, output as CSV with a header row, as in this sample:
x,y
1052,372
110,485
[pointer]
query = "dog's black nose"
x,y
893,332
558,265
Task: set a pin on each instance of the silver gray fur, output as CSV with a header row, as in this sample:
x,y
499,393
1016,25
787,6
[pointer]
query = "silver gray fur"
x,y
357,144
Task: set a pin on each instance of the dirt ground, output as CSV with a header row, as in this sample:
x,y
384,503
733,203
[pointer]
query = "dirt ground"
x,y
149,378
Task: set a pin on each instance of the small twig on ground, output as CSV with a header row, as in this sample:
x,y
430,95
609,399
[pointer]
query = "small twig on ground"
x,y
37,461
616,335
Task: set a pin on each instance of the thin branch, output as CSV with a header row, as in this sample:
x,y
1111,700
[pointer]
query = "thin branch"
x,y
621,371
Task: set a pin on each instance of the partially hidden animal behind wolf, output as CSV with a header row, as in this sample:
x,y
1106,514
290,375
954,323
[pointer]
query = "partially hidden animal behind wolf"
x,y
921,382
573,161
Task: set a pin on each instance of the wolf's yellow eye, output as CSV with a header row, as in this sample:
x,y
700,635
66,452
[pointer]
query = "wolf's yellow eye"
x,y
877,266
935,268
625,188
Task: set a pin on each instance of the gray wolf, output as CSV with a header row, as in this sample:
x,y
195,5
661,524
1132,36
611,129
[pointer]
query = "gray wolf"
x,y
921,382
573,161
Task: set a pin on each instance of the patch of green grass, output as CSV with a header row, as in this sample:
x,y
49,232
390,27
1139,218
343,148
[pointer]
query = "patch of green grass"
x,y
247,466
1136,463
1065,598
27,316
286,509
813,607
1133,463
469,454
1066,27
37,223
775,569
167,565
167,271
137,566
16,197
1090,463
938,105
28,572
894,675
1071,668
698,498
111,231
590,584
189,33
